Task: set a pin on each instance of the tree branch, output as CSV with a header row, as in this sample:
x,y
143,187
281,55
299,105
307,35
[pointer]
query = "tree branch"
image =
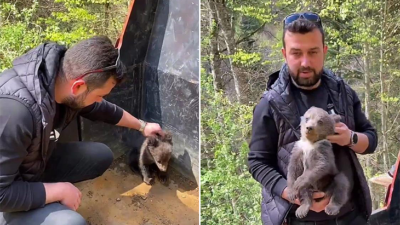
x,y
247,36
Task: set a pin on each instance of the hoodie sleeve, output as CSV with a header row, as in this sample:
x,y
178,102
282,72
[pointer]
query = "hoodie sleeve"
x,y
363,125
103,111
263,154
16,128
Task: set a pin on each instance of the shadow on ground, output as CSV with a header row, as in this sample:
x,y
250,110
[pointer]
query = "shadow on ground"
x,y
120,197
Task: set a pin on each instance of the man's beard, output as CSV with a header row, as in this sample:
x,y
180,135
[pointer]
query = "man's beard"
x,y
75,102
306,82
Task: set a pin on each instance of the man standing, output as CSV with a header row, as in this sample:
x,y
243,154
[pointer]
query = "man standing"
x,y
45,90
301,83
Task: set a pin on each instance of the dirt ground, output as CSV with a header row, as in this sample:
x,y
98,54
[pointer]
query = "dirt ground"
x,y
120,197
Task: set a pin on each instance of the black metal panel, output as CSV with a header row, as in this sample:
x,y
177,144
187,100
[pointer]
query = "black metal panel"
x,y
171,79
127,95
162,37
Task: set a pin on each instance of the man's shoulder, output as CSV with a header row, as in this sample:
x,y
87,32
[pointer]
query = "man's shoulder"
x,y
271,86
15,117
332,77
267,96
272,78
15,109
263,105
273,89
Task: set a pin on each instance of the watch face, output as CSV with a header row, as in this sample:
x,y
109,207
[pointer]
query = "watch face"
x,y
355,138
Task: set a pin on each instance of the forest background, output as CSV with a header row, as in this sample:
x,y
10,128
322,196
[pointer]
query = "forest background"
x,y
241,46
26,24
241,42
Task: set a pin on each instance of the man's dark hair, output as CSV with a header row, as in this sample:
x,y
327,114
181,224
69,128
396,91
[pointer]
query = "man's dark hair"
x,y
88,55
302,26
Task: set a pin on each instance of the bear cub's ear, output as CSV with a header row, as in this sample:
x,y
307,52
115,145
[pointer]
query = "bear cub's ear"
x,y
152,141
168,136
336,118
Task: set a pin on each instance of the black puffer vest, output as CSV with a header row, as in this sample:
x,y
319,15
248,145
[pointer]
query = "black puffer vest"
x,y
274,209
31,81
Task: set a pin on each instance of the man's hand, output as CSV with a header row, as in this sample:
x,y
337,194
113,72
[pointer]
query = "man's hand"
x,y
316,195
151,129
317,206
71,196
320,206
63,192
343,135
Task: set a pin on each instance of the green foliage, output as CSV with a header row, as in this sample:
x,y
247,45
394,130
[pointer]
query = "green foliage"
x,y
69,27
245,59
261,12
362,38
15,40
229,195
249,16
24,26
19,36
386,98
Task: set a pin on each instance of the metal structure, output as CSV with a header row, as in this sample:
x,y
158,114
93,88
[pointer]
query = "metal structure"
x,y
390,213
161,38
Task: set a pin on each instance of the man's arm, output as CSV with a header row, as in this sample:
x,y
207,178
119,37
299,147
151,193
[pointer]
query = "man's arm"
x,y
110,113
367,135
103,111
16,126
262,157
129,121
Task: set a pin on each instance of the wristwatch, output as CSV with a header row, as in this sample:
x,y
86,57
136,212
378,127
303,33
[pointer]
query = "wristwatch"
x,y
142,125
353,139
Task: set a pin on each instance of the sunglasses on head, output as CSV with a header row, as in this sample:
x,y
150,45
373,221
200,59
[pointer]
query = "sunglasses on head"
x,y
313,17
118,67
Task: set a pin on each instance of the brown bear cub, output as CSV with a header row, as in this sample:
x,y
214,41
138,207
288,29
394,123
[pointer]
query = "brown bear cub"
x,y
312,165
152,158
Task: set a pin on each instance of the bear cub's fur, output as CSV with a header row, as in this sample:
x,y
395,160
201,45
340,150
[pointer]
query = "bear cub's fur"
x,y
312,165
152,158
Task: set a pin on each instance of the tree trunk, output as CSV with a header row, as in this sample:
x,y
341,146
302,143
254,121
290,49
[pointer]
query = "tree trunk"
x,y
367,87
215,61
367,77
382,83
106,16
228,32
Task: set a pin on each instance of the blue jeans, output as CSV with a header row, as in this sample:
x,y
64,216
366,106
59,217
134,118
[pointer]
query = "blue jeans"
x,y
70,162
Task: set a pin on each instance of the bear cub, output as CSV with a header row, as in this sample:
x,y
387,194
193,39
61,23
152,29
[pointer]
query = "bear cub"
x,y
152,158
312,165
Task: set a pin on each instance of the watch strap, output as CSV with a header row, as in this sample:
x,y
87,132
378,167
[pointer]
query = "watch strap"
x,y
142,125
351,139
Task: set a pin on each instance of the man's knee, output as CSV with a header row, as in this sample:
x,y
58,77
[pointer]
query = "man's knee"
x,y
104,157
67,217
51,214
